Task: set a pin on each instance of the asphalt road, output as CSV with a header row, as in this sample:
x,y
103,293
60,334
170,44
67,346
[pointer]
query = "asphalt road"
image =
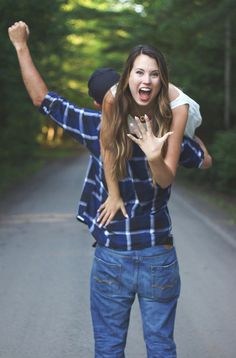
x,y
45,259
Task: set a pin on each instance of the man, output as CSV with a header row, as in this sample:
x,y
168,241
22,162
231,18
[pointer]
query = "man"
x,y
84,125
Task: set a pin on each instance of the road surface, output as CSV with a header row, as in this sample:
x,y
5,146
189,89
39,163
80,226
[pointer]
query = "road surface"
x,y
45,259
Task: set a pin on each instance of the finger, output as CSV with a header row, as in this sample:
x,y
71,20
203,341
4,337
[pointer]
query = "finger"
x,y
148,123
101,215
104,219
109,220
27,30
136,140
141,127
136,133
101,207
133,129
124,212
165,136
147,119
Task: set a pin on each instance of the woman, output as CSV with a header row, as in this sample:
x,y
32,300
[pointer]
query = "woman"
x,y
177,98
138,256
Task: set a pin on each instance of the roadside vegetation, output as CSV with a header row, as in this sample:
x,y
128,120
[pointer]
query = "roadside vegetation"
x,y
70,39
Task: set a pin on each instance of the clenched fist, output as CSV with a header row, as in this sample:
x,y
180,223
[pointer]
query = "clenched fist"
x,y
18,34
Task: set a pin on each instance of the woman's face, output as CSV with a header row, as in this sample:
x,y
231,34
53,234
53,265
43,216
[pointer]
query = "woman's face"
x,y
144,80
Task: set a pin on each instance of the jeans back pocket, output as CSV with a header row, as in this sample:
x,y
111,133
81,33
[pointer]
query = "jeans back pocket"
x,y
165,281
105,277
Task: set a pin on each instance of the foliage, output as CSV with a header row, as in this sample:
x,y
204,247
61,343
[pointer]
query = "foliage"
x,y
192,36
18,119
69,39
222,175
224,170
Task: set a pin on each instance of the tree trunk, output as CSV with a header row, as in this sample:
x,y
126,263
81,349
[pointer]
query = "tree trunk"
x,y
227,73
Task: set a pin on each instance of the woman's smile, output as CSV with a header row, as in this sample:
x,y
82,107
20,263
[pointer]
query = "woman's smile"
x,y
145,94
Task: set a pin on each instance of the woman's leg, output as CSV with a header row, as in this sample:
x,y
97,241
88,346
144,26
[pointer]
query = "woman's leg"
x,y
111,301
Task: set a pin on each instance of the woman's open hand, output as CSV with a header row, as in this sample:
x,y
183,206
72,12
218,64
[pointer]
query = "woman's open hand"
x,y
148,142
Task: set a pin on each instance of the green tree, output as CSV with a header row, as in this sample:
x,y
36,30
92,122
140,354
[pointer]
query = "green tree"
x,y
192,34
18,125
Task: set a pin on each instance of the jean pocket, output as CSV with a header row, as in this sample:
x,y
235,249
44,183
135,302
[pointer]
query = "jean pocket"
x,y
165,282
106,277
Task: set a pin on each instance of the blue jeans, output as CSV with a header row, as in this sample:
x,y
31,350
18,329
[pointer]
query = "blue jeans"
x,y
116,277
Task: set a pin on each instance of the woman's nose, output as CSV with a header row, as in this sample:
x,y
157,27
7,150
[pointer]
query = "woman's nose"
x,y
146,78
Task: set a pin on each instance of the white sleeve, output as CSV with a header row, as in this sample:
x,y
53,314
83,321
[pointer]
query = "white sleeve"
x,y
194,116
113,89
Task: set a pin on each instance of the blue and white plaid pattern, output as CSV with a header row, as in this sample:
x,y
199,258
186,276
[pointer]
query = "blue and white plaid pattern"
x,y
149,222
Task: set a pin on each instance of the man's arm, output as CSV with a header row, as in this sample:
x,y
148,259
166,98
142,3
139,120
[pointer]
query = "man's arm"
x,y
194,154
81,123
35,85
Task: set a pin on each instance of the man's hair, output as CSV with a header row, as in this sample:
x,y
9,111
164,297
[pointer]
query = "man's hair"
x,y
100,82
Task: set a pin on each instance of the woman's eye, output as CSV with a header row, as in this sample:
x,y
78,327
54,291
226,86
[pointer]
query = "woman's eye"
x,y
139,73
155,74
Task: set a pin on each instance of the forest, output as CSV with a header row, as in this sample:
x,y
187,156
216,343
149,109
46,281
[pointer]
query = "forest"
x,y
70,39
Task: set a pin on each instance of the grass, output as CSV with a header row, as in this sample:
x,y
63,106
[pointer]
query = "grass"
x,y
218,199
222,201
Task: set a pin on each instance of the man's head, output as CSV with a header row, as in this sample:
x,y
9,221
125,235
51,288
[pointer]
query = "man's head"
x,y
100,82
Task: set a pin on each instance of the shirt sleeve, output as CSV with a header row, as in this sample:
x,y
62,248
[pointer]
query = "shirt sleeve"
x,y
194,115
83,124
191,155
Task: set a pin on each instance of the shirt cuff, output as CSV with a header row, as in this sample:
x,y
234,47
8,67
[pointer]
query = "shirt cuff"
x,y
46,103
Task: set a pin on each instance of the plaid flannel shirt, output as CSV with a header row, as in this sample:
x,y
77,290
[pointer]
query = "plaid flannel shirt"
x,y
149,221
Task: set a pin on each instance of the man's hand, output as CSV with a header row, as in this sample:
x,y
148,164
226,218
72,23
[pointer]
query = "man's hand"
x,y
18,34
207,162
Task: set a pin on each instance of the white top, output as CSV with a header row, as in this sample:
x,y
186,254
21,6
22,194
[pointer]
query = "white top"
x,y
194,116
113,89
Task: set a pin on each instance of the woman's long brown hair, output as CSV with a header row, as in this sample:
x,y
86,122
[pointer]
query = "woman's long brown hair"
x,y
115,111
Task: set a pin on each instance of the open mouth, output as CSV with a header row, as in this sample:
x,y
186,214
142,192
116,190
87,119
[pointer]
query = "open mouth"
x,y
144,93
